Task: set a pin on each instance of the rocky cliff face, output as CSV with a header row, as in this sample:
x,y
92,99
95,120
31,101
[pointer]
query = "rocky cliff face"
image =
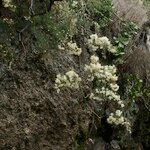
x,y
32,115
131,10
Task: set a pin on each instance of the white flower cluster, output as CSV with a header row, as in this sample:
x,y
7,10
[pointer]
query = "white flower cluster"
x,y
8,3
9,21
96,42
95,69
70,80
71,48
106,88
106,76
104,73
118,119
74,3
107,94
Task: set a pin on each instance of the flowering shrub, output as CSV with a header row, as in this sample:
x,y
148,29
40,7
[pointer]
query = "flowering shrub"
x,y
37,32
106,77
106,88
95,43
74,4
70,80
9,4
118,119
94,68
71,48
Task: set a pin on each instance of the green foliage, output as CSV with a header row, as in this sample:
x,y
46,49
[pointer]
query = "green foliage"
x,y
138,107
100,11
128,30
147,3
44,30
48,31
131,89
131,93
